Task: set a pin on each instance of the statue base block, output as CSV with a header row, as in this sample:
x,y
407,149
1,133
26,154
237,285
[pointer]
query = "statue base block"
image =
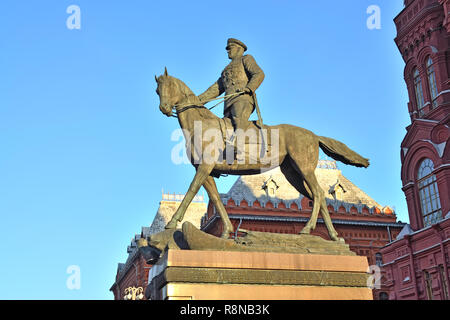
x,y
222,275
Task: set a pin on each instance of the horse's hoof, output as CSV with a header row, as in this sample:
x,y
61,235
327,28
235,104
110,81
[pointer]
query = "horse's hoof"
x,y
226,234
172,224
334,237
305,231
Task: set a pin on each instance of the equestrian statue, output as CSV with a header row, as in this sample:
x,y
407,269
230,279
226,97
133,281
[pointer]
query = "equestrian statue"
x,y
226,146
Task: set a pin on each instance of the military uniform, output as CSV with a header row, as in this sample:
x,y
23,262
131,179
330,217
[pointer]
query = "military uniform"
x,y
240,73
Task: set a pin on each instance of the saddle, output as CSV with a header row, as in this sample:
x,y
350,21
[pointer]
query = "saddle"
x,y
251,144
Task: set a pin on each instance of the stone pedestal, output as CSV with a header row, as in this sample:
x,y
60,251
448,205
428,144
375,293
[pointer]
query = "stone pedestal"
x,y
227,275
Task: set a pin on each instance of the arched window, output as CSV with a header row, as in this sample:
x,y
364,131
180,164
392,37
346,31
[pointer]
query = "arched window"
x,y
378,259
428,193
432,80
418,89
384,296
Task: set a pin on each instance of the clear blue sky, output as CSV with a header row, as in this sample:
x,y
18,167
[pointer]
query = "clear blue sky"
x,y
85,150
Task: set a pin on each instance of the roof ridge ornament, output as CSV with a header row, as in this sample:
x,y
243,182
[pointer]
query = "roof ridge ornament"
x,y
327,164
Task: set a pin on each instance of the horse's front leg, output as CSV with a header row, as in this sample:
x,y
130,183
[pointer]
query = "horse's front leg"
x,y
211,188
201,175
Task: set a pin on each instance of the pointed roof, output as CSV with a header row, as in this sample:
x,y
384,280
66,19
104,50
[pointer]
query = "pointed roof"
x,y
250,188
405,231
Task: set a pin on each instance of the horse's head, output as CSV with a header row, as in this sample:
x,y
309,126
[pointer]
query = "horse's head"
x,y
168,92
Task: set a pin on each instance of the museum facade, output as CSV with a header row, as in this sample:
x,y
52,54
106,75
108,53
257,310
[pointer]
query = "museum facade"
x,y
416,264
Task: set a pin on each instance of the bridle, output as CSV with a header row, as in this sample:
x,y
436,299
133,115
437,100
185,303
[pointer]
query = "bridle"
x,y
179,108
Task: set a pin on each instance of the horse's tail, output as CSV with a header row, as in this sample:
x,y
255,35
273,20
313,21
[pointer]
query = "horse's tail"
x,y
339,151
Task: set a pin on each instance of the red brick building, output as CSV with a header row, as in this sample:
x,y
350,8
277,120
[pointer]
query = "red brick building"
x,y
134,272
416,265
268,203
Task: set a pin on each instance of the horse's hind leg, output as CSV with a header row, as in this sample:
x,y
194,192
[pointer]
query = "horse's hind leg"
x,y
211,188
318,197
316,192
328,223
296,178
319,205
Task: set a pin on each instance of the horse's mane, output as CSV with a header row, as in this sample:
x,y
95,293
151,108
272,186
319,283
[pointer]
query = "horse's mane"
x,y
203,112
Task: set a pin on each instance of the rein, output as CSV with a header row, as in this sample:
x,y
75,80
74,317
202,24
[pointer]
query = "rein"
x,y
178,108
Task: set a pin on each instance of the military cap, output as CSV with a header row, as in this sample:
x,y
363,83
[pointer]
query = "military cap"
x,y
236,41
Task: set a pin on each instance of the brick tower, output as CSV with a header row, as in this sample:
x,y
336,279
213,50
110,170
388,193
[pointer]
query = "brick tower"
x,y
423,41
416,264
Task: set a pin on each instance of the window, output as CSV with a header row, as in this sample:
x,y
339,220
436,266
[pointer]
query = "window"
x,y
272,192
432,80
428,285
406,274
418,89
429,194
378,259
443,282
384,296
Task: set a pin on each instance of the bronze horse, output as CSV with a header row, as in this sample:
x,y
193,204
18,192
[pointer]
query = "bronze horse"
x,y
297,156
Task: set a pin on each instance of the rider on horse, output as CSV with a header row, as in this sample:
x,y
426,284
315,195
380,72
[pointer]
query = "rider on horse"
x,y
242,74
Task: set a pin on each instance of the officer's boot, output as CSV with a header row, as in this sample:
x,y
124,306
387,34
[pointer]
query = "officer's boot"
x,y
230,149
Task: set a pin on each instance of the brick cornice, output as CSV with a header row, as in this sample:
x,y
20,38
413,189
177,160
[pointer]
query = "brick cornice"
x,y
404,30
